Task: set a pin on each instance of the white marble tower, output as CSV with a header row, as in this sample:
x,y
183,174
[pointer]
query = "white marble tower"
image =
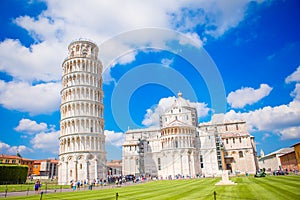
x,y
82,154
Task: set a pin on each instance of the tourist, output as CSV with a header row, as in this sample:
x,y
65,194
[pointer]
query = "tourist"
x,y
74,185
37,186
78,185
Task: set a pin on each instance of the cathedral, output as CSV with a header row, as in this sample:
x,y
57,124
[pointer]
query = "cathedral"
x,y
181,147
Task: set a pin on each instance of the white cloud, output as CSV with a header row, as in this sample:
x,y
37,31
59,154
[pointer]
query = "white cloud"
x,y
215,17
30,127
44,138
282,120
202,109
167,62
125,59
294,77
116,139
64,21
152,115
37,27
46,141
12,150
290,133
296,92
266,136
39,62
248,96
59,24
191,37
34,99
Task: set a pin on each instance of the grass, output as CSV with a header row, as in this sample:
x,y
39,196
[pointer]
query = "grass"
x,y
30,186
271,187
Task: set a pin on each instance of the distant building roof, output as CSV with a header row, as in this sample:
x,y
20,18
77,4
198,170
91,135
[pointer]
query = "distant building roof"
x,y
289,152
222,122
27,159
9,156
298,143
143,130
280,152
46,160
13,157
114,163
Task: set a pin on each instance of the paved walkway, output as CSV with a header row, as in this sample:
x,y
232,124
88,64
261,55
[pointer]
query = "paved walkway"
x,y
32,192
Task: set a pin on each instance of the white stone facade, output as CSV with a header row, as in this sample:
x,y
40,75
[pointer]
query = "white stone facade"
x,y
239,152
182,148
272,161
82,154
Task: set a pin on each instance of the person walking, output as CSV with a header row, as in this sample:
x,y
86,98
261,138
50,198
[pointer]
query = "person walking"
x,y
37,186
74,185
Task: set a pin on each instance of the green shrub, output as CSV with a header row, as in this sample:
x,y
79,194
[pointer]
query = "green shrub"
x,y
13,173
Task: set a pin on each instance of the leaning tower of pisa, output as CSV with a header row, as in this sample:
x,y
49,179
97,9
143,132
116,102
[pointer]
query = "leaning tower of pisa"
x,y
82,154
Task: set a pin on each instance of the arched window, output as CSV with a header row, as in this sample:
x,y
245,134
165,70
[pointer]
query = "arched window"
x,y
241,155
159,164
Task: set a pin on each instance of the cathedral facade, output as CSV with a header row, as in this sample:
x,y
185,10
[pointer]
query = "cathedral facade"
x,y
82,154
181,147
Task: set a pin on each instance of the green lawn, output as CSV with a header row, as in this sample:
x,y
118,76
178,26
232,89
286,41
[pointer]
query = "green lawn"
x,y
271,187
29,186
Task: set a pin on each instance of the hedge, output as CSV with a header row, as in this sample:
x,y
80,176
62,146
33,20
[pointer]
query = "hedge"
x,y
13,173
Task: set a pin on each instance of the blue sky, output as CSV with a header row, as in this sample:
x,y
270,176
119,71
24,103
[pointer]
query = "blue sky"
x,y
236,59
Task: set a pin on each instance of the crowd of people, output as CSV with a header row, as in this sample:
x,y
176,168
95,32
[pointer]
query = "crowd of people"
x,y
111,180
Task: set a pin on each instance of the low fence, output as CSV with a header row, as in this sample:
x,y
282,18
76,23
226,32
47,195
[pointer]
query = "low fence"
x,y
25,189
28,186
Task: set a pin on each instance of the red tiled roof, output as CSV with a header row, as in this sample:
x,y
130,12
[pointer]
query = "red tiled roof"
x,y
3,156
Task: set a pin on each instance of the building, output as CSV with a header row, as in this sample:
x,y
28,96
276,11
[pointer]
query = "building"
x,y
114,168
82,154
239,153
288,161
46,168
297,154
29,163
8,159
181,147
17,160
139,149
272,161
